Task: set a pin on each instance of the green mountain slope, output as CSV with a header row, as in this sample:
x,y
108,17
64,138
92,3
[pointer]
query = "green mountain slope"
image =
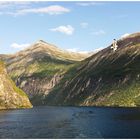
x,y
39,68
10,96
105,79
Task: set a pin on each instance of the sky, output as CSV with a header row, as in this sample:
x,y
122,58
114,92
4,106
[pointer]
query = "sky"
x,y
74,26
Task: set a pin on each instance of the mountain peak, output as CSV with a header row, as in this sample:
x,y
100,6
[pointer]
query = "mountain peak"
x,y
42,42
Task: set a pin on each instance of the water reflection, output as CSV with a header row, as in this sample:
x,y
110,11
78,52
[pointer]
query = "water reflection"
x,y
70,122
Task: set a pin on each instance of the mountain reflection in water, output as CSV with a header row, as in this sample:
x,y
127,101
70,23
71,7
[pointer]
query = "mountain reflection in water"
x,y
70,122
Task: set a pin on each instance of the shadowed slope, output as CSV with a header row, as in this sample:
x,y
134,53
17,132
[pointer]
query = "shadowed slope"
x,y
105,79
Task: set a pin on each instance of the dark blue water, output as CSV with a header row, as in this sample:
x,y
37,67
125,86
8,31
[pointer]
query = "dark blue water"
x,y
70,122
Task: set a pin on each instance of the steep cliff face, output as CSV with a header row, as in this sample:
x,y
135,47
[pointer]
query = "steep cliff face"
x,y
10,96
37,69
105,79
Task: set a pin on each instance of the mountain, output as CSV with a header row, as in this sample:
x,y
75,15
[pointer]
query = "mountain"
x,y
10,96
37,69
106,78
56,77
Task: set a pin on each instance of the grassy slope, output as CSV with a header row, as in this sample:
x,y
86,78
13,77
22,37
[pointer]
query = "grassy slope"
x,y
36,68
114,80
40,60
40,70
114,77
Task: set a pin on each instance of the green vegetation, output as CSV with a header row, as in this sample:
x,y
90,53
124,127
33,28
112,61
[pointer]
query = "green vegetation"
x,y
55,77
126,95
49,69
104,79
1,66
16,89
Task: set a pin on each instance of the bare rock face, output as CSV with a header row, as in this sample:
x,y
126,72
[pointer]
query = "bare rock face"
x,y
11,97
37,88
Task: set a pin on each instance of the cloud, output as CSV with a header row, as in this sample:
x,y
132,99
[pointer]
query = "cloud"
x,y
125,35
51,10
11,7
73,50
19,46
76,50
13,4
84,25
100,32
23,8
89,3
68,29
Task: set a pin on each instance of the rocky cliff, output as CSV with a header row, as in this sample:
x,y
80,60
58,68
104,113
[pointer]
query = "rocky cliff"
x,y
11,97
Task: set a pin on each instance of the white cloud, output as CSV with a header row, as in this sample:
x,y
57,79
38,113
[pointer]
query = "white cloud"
x,y
15,8
125,35
83,52
68,29
51,10
100,32
73,50
89,3
84,25
11,7
10,4
76,50
19,46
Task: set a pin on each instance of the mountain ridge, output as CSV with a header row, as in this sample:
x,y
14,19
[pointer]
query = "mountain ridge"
x,y
38,68
103,79
51,50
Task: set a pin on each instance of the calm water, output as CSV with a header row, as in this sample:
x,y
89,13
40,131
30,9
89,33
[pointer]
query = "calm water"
x,y
70,122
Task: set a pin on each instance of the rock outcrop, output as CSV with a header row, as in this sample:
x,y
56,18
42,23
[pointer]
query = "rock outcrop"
x,y
11,97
